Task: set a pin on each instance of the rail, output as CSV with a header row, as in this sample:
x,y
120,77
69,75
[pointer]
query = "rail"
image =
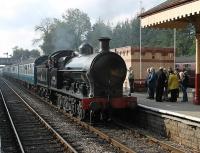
x,y
12,124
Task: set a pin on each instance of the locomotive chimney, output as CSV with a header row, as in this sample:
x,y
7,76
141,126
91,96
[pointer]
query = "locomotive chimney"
x,y
104,44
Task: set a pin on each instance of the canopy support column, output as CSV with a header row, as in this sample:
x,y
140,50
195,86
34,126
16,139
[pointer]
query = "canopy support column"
x,y
197,78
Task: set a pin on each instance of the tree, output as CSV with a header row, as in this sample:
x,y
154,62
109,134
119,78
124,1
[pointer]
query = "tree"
x,y
79,24
34,53
67,33
45,29
99,29
186,46
63,36
23,54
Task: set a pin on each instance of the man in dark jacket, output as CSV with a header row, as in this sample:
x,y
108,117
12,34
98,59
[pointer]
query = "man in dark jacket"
x,y
160,83
184,85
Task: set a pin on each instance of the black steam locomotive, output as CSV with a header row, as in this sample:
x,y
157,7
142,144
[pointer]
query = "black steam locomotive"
x,y
85,82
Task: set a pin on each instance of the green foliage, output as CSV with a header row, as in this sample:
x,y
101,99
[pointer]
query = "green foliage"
x,y
79,24
185,41
99,29
45,29
20,53
67,33
128,33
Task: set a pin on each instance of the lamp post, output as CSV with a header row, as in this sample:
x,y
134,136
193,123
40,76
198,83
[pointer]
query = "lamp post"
x,y
140,44
174,48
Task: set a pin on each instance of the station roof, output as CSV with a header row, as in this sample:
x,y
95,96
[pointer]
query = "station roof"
x,y
163,6
171,14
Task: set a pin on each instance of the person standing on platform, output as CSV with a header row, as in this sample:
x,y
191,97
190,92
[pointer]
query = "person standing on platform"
x,y
152,83
131,80
173,85
147,83
160,83
178,75
165,95
184,81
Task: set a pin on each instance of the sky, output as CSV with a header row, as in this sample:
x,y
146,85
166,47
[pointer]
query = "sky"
x,y
19,17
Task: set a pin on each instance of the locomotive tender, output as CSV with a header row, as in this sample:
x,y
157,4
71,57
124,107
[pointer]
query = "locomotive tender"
x,y
81,83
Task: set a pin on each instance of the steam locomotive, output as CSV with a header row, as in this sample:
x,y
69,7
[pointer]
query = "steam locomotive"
x,y
83,83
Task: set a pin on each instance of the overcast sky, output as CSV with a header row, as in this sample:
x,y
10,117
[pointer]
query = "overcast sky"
x,y
19,17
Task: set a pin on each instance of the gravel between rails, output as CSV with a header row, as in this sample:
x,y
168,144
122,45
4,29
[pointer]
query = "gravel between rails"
x,y
132,140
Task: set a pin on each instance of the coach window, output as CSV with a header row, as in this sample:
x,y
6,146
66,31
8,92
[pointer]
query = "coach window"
x,y
29,69
32,68
25,69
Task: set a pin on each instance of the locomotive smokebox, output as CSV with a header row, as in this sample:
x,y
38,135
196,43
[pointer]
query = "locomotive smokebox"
x,y
104,44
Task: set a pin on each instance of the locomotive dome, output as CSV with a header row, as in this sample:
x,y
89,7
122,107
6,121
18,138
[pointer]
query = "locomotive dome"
x,y
85,49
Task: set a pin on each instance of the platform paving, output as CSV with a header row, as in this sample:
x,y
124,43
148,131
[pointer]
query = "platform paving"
x,y
181,109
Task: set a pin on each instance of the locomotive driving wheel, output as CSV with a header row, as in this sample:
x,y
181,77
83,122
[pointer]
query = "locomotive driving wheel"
x,y
81,112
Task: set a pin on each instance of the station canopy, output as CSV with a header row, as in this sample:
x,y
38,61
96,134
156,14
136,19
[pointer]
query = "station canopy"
x,y
172,14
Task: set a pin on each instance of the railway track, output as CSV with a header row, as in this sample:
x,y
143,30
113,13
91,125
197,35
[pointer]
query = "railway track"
x,y
122,137
8,141
82,140
33,133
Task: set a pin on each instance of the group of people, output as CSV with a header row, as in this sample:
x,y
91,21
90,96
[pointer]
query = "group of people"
x,y
165,81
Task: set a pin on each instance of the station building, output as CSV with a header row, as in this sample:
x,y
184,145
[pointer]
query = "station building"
x,y
150,57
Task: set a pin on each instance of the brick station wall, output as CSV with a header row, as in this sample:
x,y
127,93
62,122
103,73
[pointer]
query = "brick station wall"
x,y
151,57
180,130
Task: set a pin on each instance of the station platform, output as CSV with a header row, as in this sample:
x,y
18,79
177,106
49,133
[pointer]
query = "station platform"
x,y
185,110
